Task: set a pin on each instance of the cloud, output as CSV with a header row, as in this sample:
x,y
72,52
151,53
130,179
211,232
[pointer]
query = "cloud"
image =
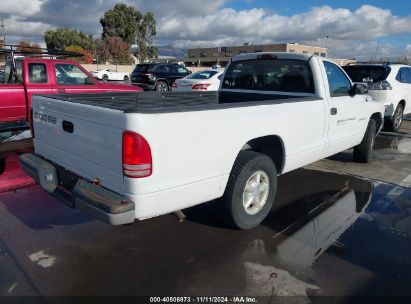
x,y
20,29
190,23
366,23
20,7
180,7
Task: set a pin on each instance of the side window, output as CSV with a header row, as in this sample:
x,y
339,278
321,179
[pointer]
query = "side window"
x,y
162,69
8,73
404,75
37,73
172,69
182,71
338,83
70,74
401,75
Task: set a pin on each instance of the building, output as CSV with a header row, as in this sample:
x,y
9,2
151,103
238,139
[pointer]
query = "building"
x,y
221,55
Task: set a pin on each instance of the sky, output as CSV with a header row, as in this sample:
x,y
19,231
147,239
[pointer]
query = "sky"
x,y
351,29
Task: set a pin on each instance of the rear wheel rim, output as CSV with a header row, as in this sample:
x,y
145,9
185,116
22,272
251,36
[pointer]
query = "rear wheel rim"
x,y
162,87
255,193
398,117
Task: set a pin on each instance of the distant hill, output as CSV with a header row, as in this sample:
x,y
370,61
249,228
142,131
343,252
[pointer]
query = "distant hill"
x,y
168,50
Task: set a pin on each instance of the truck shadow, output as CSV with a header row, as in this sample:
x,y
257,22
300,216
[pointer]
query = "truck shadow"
x,y
298,193
38,210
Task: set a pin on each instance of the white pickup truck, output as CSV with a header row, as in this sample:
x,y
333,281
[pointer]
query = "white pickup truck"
x,y
128,156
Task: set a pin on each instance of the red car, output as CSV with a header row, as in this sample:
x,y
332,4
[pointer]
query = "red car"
x,y
28,76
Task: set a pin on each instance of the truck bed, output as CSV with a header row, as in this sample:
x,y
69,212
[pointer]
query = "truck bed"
x,y
167,102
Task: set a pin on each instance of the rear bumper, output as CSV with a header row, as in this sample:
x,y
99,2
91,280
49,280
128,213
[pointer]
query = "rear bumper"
x,y
99,202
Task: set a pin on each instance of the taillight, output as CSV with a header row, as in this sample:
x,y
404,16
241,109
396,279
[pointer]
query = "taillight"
x,y
31,123
379,85
201,86
149,75
136,156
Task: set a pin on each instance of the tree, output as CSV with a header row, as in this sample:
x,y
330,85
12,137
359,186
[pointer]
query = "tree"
x,y
102,53
145,37
87,55
61,38
119,50
132,27
28,47
121,21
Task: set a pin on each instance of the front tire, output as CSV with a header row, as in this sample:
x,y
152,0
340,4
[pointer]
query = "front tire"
x,y
126,78
105,77
250,191
363,152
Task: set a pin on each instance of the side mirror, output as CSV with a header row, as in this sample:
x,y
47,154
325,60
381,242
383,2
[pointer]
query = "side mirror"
x,y
89,81
359,88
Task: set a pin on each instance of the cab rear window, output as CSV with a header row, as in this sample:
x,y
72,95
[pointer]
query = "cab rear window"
x,y
281,75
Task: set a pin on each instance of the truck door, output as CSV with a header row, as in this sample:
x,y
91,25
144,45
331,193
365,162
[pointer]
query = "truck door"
x,y
12,95
348,114
37,79
71,79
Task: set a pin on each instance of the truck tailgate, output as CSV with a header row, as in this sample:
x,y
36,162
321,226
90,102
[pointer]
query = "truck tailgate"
x,y
83,139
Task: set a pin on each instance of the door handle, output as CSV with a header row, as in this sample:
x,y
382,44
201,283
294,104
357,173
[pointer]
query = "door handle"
x,y
61,91
333,111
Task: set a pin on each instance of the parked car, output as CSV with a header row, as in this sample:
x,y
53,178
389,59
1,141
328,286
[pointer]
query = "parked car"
x,y
206,80
44,76
158,76
389,84
127,160
109,74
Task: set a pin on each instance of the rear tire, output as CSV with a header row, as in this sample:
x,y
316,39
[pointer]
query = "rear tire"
x,y
250,190
126,78
161,86
394,124
363,152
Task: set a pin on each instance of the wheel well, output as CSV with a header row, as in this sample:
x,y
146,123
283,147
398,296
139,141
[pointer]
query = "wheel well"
x,y
162,80
402,102
378,119
270,145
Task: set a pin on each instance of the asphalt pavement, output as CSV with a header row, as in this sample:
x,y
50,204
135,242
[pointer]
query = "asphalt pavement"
x,y
338,231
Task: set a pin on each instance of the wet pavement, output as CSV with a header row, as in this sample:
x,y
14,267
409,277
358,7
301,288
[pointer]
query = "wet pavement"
x,y
330,234
391,159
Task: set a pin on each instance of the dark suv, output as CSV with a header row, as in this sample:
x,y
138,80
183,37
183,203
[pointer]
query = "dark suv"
x,y
157,76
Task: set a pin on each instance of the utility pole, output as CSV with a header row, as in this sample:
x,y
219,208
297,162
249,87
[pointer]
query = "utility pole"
x,y
326,45
3,33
